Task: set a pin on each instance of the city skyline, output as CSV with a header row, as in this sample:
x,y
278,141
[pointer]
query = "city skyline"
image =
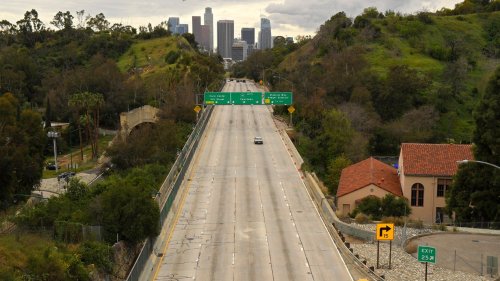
x,y
288,17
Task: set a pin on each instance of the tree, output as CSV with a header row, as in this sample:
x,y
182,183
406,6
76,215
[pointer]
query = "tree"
x,y
370,206
393,206
333,173
63,20
129,212
21,148
48,115
89,104
191,40
404,90
98,23
76,103
388,206
476,188
487,117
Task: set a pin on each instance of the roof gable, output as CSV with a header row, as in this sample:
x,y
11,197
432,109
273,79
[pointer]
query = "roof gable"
x,y
366,172
425,159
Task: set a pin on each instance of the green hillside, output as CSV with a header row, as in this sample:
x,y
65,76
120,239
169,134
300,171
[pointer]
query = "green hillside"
x,y
424,46
169,60
152,54
364,85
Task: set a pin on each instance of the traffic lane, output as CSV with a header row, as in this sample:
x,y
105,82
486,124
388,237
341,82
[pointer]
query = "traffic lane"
x,y
217,255
252,260
181,258
287,256
325,260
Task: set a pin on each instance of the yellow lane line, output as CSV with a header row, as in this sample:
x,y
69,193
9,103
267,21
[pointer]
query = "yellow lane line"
x,y
183,199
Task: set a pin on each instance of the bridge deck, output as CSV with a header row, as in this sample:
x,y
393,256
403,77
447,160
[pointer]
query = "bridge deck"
x,y
247,215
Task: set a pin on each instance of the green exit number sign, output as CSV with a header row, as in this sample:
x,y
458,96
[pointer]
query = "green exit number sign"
x,y
426,254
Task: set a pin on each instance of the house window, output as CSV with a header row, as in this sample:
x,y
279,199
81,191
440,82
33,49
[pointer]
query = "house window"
x,y
417,195
442,186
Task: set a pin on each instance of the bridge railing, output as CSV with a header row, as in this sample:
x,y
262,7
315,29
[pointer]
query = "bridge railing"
x,y
168,192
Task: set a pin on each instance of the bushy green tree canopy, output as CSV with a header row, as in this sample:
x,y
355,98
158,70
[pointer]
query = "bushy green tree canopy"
x,y
475,193
22,141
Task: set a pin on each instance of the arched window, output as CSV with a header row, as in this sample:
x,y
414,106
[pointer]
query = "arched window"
x,y
417,195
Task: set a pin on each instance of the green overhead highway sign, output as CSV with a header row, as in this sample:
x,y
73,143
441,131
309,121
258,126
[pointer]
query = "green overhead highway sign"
x,y
242,98
245,98
278,98
217,98
236,98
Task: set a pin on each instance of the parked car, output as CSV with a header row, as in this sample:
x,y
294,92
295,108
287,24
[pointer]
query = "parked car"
x,y
65,176
258,140
51,166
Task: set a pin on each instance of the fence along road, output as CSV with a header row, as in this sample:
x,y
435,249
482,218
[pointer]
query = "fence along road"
x,y
247,214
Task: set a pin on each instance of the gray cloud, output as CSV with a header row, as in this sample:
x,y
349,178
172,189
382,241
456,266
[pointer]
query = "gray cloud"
x,y
311,14
291,17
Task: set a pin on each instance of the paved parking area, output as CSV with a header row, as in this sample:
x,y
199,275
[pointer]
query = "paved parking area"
x,y
52,187
464,252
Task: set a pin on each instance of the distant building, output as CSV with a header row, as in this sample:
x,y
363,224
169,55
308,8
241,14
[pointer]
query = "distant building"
x,y
176,27
289,40
265,38
173,22
196,25
204,41
239,50
182,28
209,21
225,37
248,35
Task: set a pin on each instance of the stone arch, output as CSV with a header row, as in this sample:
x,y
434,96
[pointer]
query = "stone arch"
x,y
130,120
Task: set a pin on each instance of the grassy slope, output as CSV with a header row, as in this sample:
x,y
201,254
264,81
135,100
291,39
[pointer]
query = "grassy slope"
x,y
393,49
150,55
14,253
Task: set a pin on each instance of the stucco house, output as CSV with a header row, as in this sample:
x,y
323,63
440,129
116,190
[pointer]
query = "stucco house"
x,y
425,172
365,178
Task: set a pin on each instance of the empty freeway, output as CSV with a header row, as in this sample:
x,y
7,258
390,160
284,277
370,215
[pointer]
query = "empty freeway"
x,y
247,214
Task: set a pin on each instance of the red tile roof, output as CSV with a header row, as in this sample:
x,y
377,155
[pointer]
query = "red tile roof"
x,y
423,159
366,172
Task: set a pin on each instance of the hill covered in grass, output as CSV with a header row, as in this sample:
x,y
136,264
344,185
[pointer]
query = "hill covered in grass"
x,y
392,64
364,85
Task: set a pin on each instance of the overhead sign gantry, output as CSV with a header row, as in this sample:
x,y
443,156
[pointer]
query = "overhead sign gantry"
x,y
248,98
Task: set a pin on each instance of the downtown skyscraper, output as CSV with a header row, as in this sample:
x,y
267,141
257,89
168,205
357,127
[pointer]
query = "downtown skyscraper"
x,y
196,23
265,38
225,37
208,18
248,35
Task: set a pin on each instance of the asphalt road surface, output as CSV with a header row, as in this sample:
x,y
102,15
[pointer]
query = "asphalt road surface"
x,y
247,214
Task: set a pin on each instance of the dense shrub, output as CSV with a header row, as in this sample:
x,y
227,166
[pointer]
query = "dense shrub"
x,y
362,218
172,57
98,254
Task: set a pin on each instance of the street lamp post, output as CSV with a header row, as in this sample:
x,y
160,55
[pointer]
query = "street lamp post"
x,y
465,161
54,135
279,81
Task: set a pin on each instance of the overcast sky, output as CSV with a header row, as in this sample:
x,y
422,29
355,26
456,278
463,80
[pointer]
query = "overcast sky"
x,y
288,17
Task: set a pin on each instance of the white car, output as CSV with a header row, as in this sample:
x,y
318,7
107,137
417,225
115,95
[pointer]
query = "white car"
x,y
258,140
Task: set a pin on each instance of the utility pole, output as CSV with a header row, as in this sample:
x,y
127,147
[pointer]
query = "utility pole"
x,y
54,135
